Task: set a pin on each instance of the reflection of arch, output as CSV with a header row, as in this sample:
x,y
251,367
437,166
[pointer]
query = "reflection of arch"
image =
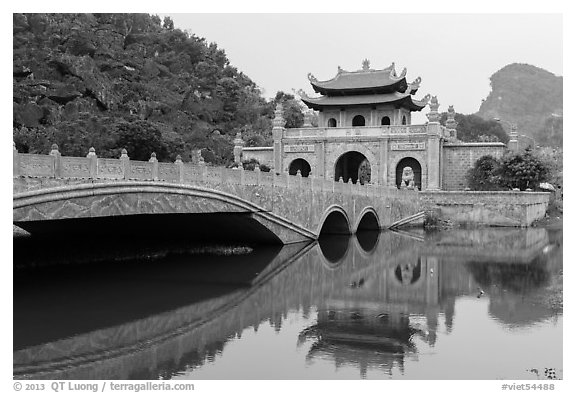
x,y
353,165
299,164
385,121
408,273
416,168
334,221
332,122
367,241
334,249
358,121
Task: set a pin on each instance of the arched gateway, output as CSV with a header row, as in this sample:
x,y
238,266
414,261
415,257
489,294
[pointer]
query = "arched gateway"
x,y
352,166
366,133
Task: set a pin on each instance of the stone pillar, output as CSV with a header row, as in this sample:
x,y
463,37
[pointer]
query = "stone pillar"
x,y
15,161
125,160
238,145
93,162
433,145
451,123
154,162
308,119
320,158
342,117
383,150
373,117
57,160
180,165
277,134
513,142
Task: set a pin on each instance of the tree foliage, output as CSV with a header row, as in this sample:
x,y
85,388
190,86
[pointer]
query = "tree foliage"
x,y
522,170
473,128
484,175
124,80
514,170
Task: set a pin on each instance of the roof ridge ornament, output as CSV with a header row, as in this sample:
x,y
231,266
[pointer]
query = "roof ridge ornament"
x,y
403,73
366,65
312,78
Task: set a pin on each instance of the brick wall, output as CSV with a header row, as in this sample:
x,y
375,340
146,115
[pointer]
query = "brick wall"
x,y
458,158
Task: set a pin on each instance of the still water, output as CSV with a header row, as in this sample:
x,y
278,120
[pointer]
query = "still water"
x,y
461,304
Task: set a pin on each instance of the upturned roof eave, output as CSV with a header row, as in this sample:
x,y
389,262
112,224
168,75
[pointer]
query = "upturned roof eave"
x,y
405,102
325,88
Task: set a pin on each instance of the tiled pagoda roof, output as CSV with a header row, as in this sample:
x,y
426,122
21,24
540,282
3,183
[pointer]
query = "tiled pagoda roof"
x,y
365,80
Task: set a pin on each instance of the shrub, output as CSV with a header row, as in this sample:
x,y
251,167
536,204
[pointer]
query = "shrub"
x,y
484,175
522,170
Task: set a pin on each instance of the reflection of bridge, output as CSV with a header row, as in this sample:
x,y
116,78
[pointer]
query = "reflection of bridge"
x,y
362,299
56,193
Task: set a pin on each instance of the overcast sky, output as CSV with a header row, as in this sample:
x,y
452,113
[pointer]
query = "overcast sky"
x,y
455,54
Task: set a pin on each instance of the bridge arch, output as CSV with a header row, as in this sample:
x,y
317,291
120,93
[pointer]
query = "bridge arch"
x,y
334,221
299,164
367,220
354,166
68,208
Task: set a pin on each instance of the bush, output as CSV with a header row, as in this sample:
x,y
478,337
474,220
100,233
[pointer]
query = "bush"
x,y
250,165
522,170
484,175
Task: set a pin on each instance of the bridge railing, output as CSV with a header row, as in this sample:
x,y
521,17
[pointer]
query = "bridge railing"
x,y
91,167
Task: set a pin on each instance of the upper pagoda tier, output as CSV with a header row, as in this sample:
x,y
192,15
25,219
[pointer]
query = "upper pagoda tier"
x,y
365,81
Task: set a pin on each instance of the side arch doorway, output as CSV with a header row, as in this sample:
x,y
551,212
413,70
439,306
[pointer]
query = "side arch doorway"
x,y
416,168
353,166
301,165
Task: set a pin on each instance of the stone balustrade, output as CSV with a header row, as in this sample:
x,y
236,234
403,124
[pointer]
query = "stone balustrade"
x,y
343,132
92,167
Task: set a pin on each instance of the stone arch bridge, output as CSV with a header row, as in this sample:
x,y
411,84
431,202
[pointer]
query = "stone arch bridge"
x,y
57,194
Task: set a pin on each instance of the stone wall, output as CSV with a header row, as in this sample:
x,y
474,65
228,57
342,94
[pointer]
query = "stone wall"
x,y
458,158
264,155
494,208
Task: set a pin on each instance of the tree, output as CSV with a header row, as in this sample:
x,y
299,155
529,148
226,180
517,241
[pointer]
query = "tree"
x,y
484,175
522,170
141,139
293,113
472,128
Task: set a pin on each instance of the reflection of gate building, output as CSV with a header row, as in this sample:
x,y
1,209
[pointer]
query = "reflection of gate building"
x,y
365,133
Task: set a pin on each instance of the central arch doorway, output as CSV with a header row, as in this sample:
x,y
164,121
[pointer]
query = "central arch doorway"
x,y
299,164
416,170
353,165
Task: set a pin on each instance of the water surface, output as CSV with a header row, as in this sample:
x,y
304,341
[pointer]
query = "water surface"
x,y
462,304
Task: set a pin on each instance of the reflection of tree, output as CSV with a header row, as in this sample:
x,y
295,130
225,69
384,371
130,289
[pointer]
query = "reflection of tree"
x,y
519,278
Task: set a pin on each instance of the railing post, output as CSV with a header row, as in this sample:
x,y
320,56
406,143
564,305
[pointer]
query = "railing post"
x,y
57,161
93,164
125,160
180,165
15,161
154,162
258,174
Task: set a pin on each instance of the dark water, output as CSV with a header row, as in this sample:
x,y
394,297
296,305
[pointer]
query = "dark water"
x,y
463,304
